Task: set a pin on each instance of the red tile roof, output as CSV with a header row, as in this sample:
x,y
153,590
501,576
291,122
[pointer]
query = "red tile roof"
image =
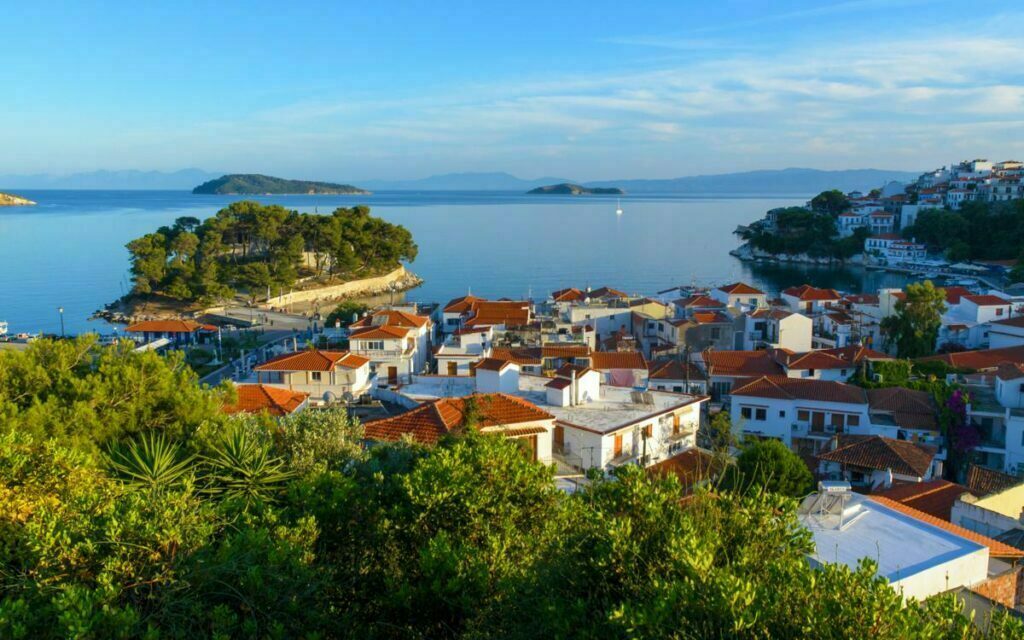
x,y
523,357
571,294
876,452
1010,322
256,398
953,294
460,305
391,318
429,422
987,301
674,370
564,350
502,312
841,358
982,481
996,549
711,317
982,359
605,360
313,360
740,288
910,409
1010,371
383,332
492,364
691,466
169,326
934,497
606,292
697,301
740,363
807,293
558,383
783,388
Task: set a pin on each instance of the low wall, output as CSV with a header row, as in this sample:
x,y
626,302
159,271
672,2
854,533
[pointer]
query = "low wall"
x,y
353,288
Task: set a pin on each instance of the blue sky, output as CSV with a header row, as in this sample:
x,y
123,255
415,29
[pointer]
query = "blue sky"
x,y
585,90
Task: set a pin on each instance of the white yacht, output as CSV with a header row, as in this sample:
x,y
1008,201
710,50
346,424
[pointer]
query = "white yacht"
x,y
618,207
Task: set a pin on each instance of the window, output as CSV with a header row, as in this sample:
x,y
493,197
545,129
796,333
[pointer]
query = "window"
x,y
762,414
648,431
316,376
803,415
677,389
374,345
782,414
716,333
853,421
746,412
842,372
999,312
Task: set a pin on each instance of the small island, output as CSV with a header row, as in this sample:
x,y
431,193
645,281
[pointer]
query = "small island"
x,y
569,189
255,184
10,200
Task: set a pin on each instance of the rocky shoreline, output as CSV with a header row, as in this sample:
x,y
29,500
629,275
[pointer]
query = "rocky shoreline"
x,y
747,253
10,200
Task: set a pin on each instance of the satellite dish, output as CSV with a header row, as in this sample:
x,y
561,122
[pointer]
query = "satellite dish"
x,y
348,397
329,397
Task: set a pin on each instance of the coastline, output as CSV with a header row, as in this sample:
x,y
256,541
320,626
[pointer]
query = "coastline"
x,y
746,253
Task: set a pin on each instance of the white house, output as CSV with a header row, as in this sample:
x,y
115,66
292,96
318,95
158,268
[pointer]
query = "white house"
x,y
776,328
420,326
967,322
452,313
740,295
874,462
1006,333
390,350
321,374
810,300
462,349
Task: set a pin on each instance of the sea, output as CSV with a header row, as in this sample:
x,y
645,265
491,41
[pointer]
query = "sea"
x,y
68,252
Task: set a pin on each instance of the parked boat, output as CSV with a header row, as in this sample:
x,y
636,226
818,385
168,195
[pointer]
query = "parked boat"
x,y
618,207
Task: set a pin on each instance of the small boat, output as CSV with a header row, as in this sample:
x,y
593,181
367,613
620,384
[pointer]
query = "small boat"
x,y
3,329
618,207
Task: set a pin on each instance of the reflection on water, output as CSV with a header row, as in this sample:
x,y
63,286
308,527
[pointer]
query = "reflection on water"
x,y
69,250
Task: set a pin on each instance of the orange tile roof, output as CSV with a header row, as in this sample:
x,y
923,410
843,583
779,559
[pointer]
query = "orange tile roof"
x,y
429,422
527,357
564,350
571,294
1011,322
740,363
876,452
383,332
504,312
953,294
256,398
169,326
492,364
841,358
462,304
1010,371
558,383
391,318
698,300
740,288
691,466
996,549
711,317
934,497
674,370
981,359
987,300
313,360
606,292
605,360
807,293
784,388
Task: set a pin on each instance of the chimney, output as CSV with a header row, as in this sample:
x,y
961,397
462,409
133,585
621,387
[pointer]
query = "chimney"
x,y
573,397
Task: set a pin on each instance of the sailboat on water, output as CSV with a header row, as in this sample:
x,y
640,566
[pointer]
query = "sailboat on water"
x,y
618,207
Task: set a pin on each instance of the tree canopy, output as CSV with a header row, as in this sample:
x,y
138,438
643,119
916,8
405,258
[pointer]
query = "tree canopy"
x,y
914,327
977,231
194,524
253,247
799,230
770,465
832,202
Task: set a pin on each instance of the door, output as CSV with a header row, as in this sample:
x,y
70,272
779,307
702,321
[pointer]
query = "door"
x,y
617,447
559,438
818,422
453,368
392,375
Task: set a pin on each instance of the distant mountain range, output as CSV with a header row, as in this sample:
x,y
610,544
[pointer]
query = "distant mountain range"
x,y
771,181
182,180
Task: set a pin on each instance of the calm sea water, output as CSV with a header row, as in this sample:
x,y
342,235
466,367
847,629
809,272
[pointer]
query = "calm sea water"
x,y
68,251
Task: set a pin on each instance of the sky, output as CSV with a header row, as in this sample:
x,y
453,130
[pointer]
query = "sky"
x,y
590,90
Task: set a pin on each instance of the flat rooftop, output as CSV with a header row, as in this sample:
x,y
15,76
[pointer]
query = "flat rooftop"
x,y
901,545
613,410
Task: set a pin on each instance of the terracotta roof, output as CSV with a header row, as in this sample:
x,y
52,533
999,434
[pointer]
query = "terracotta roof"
x,y
568,295
1010,371
673,370
605,360
567,370
934,497
558,383
169,326
783,388
697,300
740,363
953,294
256,398
996,549
876,452
313,360
429,422
527,356
391,318
383,332
863,298
711,317
910,409
492,364
807,293
982,481
606,292
841,358
460,305
691,466
987,300
564,350
1010,322
461,331
740,288
980,359
505,312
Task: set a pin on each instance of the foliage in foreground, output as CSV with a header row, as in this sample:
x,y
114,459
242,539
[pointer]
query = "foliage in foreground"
x,y
252,528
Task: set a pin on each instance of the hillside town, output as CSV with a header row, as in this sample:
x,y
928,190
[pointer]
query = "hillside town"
x,y
883,220
590,380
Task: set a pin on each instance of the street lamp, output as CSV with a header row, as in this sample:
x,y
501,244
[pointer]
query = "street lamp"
x,y
60,310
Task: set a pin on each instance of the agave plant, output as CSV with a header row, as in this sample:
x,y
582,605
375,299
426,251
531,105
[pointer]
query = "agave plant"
x,y
151,463
241,467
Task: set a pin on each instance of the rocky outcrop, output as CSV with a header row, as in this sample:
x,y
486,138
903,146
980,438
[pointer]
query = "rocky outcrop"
x,y
9,200
749,254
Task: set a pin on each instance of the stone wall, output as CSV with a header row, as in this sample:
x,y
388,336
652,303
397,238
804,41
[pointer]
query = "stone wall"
x,y
400,278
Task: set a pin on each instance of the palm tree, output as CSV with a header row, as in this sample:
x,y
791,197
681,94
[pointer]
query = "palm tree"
x,y
242,467
151,462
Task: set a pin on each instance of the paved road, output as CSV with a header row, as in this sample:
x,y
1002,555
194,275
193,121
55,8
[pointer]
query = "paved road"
x,y
267,319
